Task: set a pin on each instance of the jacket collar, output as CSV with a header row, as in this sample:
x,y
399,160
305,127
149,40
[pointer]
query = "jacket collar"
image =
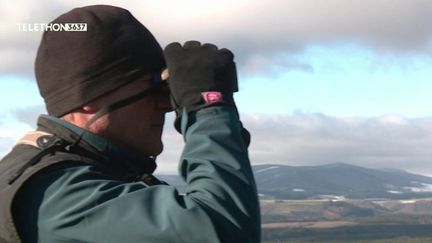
x,y
97,145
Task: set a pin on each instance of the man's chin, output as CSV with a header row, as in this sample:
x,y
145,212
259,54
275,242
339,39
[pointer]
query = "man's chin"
x,y
160,149
154,151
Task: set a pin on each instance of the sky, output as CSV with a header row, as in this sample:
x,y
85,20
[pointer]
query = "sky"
x,y
321,81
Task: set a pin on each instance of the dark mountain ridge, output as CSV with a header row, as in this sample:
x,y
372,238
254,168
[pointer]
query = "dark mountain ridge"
x,y
339,180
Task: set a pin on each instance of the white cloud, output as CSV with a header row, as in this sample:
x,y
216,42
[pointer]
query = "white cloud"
x,y
311,139
388,141
173,145
5,145
29,115
260,33
254,30
9,135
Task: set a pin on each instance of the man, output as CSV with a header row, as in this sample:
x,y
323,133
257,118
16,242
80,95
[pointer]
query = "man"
x,y
85,175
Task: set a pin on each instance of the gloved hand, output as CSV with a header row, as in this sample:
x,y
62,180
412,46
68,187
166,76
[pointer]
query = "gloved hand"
x,y
200,75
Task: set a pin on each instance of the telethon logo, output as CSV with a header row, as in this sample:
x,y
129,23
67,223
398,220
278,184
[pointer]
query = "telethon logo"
x,y
33,27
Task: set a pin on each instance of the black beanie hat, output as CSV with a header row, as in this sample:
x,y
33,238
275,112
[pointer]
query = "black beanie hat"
x,y
73,68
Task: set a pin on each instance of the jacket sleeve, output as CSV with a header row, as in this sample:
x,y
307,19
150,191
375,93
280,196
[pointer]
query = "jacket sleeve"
x,y
80,204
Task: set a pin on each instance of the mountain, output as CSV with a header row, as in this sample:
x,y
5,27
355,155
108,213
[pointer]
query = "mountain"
x,y
332,181
335,181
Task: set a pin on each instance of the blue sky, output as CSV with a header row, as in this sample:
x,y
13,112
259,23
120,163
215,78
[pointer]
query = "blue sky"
x,y
344,81
347,80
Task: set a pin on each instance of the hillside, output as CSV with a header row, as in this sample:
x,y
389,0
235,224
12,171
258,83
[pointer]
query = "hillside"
x,y
333,181
337,181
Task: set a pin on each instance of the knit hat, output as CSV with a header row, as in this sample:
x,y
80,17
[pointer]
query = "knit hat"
x,y
75,67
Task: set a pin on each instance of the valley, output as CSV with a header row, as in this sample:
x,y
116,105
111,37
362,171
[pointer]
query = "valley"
x,y
347,220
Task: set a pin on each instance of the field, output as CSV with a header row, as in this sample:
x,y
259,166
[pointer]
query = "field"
x,y
346,221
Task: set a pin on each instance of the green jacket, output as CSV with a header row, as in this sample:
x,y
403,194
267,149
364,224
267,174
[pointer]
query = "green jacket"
x,y
79,203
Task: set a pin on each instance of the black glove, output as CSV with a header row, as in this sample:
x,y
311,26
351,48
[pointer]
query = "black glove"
x,y
200,76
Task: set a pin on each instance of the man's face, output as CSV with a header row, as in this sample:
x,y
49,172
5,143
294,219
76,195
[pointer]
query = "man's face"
x,y
138,126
